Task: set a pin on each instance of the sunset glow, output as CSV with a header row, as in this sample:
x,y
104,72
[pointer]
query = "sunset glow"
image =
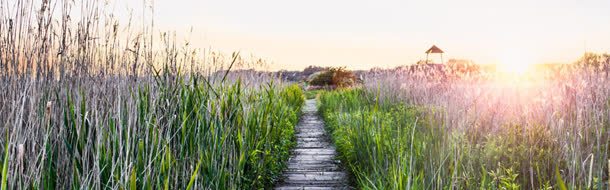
x,y
316,94
515,63
390,33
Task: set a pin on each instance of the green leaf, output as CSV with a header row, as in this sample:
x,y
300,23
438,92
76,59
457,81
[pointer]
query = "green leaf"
x,y
560,182
5,164
132,180
194,176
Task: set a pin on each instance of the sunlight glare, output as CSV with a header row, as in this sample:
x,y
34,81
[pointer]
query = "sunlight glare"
x,y
515,63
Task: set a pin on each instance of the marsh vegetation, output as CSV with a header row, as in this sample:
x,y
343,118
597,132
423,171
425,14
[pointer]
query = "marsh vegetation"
x,y
547,129
89,101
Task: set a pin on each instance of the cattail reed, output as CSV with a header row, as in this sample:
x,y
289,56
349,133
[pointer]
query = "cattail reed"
x,y
486,130
103,103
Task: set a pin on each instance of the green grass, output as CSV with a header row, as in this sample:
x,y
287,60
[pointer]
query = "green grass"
x,y
312,94
93,101
391,145
379,143
178,135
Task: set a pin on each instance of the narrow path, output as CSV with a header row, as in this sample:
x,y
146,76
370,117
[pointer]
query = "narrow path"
x,y
312,164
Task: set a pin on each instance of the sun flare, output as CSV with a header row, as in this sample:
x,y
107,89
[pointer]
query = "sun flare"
x,y
514,67
515,63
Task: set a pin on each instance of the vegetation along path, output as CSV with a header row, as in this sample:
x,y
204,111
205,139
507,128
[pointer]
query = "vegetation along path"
x,y
313,164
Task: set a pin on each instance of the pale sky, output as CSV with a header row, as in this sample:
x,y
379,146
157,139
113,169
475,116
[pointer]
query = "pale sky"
x,y
388,33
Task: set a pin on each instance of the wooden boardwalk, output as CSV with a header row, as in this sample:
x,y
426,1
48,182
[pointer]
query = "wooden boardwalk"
x,y
313,164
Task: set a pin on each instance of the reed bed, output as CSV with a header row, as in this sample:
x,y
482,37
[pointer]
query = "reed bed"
x,y
411,129
93,101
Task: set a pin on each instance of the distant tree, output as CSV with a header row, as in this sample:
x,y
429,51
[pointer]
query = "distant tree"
x,y
462,66
338,77
594,60
313,69
321,78
600,62
292,76
376,69
343,77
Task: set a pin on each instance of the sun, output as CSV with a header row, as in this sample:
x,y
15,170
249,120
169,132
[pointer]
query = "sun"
x,y
514,67
515,64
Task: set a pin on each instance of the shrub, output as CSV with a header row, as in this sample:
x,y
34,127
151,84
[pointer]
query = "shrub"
x,y
336,77
322,78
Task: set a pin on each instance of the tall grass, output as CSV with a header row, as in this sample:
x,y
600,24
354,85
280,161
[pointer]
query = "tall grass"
x,y
536,131
381,144
90,103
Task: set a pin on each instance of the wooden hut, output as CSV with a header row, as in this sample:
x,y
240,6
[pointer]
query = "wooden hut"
x,y
434,50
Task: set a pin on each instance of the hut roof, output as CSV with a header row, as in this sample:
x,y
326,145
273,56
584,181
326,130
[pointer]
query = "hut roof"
x,y
434,49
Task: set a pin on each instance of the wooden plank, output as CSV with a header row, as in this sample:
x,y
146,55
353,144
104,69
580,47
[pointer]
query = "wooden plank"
x,y
313,164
